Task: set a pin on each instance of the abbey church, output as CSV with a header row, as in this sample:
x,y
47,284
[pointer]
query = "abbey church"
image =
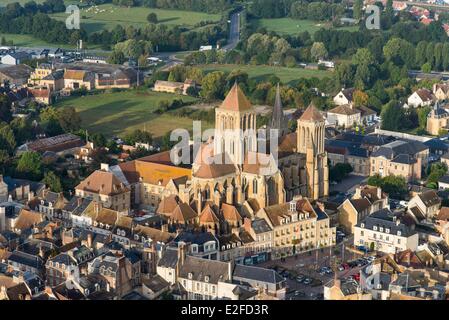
x,y
241,179
255,195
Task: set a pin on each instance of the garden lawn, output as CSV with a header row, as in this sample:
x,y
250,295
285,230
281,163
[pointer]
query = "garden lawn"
x,y
116,113
107,16
259,73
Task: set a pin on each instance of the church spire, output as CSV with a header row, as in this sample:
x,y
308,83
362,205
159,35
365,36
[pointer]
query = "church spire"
x,y
278,118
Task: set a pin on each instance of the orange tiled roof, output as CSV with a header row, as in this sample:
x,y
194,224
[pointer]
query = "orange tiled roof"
x,y
230,212
74,74
208,215
102,182
311,114
183,213
28,219
152,172
236,100
168,205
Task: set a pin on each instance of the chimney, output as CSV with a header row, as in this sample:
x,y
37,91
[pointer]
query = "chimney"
x,y
164,227
230,268
104,167
41,252
358,192
181,254
320,205
199,202
79,201
247,225
379,192
89,240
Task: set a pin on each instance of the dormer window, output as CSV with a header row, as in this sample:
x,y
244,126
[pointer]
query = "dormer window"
x,y
375,228
292,205
190,275
381,229
206,279
387,230
399,233
362,225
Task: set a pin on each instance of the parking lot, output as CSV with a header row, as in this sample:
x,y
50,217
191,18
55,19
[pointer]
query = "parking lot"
x,y
307,273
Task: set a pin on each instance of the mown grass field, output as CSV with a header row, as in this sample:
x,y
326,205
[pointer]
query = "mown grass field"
x,y
116,113
294,26
258,73
22,2
107,16
26,40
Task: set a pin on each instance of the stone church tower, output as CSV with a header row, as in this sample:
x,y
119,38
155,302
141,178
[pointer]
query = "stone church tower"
x,y
310,142
235,126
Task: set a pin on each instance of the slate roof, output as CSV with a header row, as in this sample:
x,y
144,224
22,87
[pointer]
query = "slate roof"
x,y
198,238
429,198
26,259
385,218
398,147
260,226
242,272
404,159
169,259
200,268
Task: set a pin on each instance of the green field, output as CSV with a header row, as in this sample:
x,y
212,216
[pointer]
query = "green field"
x,y
107,16
294,26
119,112
25,40
258,73
22,2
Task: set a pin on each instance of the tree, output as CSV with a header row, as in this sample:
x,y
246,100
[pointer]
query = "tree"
x,y
117,57
30,165
392,115
213,86
375,180
138,136
360,98
99,140
69,119
400,52
395,186
340,171
437,170
318,51
4,158
152,17
358,7
344,74
52,181
7,139
5,109
426,67
363,57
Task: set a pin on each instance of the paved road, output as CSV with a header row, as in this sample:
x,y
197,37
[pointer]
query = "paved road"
x,y
234,32
420,74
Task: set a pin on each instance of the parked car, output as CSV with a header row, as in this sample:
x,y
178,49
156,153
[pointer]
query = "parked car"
x,y
300,278
299,293
307,281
